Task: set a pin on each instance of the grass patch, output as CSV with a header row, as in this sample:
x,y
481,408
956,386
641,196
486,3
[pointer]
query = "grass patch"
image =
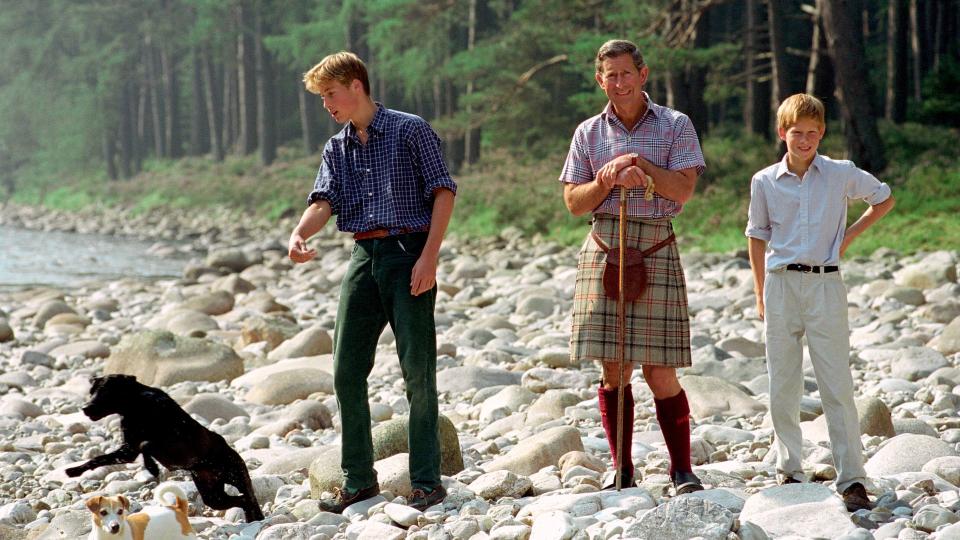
x,y
505,191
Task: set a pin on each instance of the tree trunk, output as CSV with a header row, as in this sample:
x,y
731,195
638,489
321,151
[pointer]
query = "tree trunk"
x,y
266,124
897,77
212,106
841,23
308,121
170,97
916,51
756,110
126,130
820,76
780,88
199,139
109,151
468,137
156,100
696,79
246,78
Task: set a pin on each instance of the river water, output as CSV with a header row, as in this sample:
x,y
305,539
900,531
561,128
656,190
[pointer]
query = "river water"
x,y
62,259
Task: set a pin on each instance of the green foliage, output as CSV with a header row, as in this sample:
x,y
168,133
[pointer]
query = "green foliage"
x,y
941,94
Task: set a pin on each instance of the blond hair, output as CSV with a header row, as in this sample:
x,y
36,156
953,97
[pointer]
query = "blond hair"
x,y
342,67
799,106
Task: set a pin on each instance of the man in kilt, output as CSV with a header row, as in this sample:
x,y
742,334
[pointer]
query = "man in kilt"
x,y
634,139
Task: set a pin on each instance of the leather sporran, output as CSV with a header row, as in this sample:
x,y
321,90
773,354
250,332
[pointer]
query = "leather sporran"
x,y
635,271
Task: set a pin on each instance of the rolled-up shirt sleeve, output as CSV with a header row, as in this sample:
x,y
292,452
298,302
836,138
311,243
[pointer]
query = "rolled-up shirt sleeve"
x,y
424,145
327,187
758,216
864,186
685,151
577,169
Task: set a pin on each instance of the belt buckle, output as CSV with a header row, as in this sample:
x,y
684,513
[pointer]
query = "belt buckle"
x,y
806,269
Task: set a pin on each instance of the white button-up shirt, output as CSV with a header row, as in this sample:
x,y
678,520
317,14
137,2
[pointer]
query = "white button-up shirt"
x,y
803,220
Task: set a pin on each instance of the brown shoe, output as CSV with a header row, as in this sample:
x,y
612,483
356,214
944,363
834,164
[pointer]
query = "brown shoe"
x,y
421,499
343,497
685,482
855,498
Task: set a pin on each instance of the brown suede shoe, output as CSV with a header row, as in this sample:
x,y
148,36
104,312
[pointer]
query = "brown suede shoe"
x,y
855,498
343,497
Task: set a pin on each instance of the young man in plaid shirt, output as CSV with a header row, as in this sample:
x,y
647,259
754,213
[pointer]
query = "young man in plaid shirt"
x,y
384,177
631,139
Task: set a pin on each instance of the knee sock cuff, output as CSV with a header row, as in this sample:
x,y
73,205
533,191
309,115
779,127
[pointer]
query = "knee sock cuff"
x,y
672,408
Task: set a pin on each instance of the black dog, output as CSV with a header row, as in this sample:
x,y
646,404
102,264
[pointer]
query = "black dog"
x,y
155,426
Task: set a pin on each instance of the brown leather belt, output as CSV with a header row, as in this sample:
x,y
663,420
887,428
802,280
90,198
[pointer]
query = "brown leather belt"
x,y
383,233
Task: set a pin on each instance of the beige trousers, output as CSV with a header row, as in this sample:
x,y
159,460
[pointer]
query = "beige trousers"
x,y
815,305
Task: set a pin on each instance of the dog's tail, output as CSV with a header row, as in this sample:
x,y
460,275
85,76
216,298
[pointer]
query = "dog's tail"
x,y
171,494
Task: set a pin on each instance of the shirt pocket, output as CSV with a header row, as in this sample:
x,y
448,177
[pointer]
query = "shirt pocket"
x,y
783,207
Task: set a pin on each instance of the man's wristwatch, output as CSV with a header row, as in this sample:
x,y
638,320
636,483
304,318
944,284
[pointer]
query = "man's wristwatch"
x,y
633,158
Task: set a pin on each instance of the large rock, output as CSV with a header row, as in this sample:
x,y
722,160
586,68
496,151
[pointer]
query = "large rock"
x,y
550,406
947,467
806,510
213,406
390,438
538,451
6,332
907,453
161,359
948,342
288,386
462,378
254,376
935,270
313,341
743,346
682,518
540,380
67,524
914,363
273,330
494,485
709,396
231,258
184,322
48,310
211,303
874,419
86,349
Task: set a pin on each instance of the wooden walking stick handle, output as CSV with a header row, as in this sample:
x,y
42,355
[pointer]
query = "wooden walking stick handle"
x,y
621,334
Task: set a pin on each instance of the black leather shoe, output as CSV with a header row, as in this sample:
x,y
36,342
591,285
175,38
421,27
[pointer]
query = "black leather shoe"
x,y
855,498
343,497
421,499
626,481
784,480
685,482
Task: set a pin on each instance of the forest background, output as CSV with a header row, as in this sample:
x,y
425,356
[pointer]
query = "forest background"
x,y
182,104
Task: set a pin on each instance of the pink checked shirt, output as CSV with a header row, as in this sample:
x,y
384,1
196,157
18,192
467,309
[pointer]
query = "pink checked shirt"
x,y
663,136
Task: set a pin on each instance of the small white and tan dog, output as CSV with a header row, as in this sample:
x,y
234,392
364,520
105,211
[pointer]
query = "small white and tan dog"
x,y
112,520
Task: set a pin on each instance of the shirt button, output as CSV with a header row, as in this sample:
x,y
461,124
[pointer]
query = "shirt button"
x,y
369,194
370,216
368,170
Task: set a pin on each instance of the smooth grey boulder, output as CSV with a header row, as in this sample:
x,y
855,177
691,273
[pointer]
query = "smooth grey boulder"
x,y
313,341
212,303
213,406
272,329
914,363
709,396
804,510
49,309
907,453
290,385
463,378
682,518
948,342
390,438
85,348
230,258
538,451
160,358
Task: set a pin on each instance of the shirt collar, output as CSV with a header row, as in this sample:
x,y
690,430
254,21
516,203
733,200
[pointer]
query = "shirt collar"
x,y
652,109
375,127
783,169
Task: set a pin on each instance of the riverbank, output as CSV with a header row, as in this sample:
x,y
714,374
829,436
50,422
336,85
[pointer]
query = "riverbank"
x,y
504,190
242,340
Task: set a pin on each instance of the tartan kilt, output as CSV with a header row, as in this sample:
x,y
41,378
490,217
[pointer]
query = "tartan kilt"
x,y
658,323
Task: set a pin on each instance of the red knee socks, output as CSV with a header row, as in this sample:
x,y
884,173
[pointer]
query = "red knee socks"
x,y
608,417
673,414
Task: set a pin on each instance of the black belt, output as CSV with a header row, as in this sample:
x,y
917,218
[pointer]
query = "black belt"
x,y
814,269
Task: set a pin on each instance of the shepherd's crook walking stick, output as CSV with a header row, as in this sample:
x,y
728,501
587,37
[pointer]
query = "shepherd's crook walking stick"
x,y
621,333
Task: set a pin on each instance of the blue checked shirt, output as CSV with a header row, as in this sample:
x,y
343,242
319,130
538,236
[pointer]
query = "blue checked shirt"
x,y
387,183
663,136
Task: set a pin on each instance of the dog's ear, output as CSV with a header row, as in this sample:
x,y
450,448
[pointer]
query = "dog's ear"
x,y
93,503
96,384
125,502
